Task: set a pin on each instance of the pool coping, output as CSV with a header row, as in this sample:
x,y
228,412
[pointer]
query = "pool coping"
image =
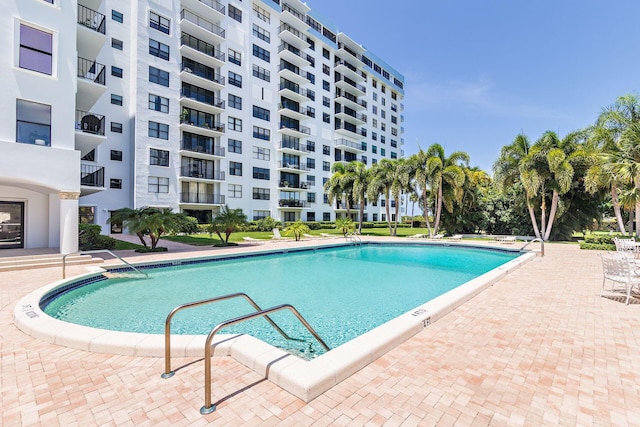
x,y
304,379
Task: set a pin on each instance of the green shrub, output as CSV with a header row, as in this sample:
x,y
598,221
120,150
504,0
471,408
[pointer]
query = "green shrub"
x,y
189,226
89,238
266,224
156,249
597,246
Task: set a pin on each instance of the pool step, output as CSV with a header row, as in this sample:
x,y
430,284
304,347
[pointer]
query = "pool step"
x,y
44,261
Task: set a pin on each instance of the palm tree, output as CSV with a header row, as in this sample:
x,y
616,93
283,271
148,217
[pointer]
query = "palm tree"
x,y
298,228
339,184
421,177
358,177
344,224
148,221
380,185
227,221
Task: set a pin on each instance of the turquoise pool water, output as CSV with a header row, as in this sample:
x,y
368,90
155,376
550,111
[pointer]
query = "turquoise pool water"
x,y
342,292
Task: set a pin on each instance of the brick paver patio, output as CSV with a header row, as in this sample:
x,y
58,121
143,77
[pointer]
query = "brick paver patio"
x,y
540,347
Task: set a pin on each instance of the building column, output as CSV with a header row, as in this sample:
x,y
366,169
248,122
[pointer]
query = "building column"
x,y
68,222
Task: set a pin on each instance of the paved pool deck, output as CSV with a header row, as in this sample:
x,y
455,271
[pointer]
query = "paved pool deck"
x,y
539,347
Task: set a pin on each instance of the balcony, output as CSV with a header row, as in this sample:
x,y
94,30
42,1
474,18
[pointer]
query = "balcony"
x,y
203,52
345,113
345,158
293,130
296,112
91,32
293,36
91,179
293,91
348,69
212,128
294,17
201,173
349,54
209,8
345,144
201,75
90,130
201,198
284,185
91,82
349,129
292,147
202,146
292,73
350,100
200,27
293,167
294,55
292,204
345,83
193,98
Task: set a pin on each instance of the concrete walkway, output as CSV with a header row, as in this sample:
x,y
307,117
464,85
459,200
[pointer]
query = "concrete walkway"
x,y
540,347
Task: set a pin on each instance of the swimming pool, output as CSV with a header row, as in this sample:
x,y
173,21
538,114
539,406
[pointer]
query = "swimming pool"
x,y
305,379
343,292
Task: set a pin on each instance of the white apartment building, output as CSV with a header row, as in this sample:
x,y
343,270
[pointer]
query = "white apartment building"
x,y
188,104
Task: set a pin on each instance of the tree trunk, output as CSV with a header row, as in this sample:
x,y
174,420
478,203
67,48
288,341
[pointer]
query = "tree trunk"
x,y
637,207
630,223
141,237
436,223
552,214
532,215
395,225
361,214
616,208
387,202
425,209
543,215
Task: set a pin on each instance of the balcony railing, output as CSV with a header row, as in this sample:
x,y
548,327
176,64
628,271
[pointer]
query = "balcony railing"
x,y
202,46
294,12
297,166
297,89
302,185
203,147
305,111
293,203
345,157
350,97
90,122
352,83
196,172
91,70
351,144
297,52
293,146
289,28
202,23
301,129
349,112
91,175
203,71
209,199
202,97
91,19
215,5
214,126
346,64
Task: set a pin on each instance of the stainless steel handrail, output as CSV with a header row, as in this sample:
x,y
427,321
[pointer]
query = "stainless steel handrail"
x,y
208,407
168,373
353,237
64,260
537,239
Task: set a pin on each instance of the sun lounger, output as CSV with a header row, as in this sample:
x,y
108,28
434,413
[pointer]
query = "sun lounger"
x,y
455,237
253,241
309,236
417,236
276,234
507,239
328,235
436,237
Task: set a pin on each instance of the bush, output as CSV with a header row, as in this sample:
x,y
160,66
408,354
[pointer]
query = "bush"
x,y
266,224
156,249
597,246
189,226
89,238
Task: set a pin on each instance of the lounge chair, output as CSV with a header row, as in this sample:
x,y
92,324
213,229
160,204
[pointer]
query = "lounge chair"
x,y
252,240
276,234
455,237
507,239
436,237
309,236
619,267
328,235
417,236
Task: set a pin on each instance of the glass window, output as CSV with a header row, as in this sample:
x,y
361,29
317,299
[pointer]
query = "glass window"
x,y
117,44
311,163
158,49
261,53
326,166
116,99
326,216
33,122
158,103
235,191
159,130
116,155
261,153
326,85
235,79
158,76
326,150
235,57
159,23
36,50
311,197
325,53
326,101
158,157
235,124
261,13
116,127
115,183
235,146
326,70
261,133
116,71
261,113
261,33
258,215
261,194
261,173
235,168
158,184
235,13
117,16
261,73
235,102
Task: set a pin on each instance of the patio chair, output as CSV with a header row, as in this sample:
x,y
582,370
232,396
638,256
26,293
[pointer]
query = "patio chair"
x,y
276,234
455,237
252,240
417,236
626,245
619,268
436,237
507,239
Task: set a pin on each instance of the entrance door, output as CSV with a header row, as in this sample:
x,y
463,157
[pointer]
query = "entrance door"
x,y
11,225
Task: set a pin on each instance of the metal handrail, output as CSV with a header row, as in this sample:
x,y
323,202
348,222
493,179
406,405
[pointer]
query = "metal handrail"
x,y
537,239
208,407
353,237
168,373
64,260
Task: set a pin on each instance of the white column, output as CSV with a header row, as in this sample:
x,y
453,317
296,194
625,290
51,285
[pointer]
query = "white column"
x,y
68,222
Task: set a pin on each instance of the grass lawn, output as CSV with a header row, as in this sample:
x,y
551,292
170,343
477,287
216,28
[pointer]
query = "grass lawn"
x,y
121,245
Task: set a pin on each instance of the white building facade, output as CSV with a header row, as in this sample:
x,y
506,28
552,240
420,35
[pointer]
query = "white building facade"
x,y
188,104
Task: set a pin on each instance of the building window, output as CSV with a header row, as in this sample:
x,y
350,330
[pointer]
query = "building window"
x,y
116,155
117,16
115,183
382,152
311,216
311,146
394,131
116,127
326,85
382,139
261,53
159,23
261,13
235,79
261,194
326,101
116,99
261,173
258,215
261,73
374,136
311,197
235,57
326,117
158,76
383,113
261,113
394,155
261,133
394,120
36,50
375,96
326,216
235,168
374,149
117,44
158,103
383,126
235,191
311,77
87,214
235,13
235,102
158,157
311,180
311,163
158,49
159,130
158,184
326,53
235,146
235,124
33,122
326,150
326,166
261,153
374,109
261,33
116,71
326,70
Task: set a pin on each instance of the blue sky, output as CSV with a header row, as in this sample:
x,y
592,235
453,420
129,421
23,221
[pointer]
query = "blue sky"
x,y
477,73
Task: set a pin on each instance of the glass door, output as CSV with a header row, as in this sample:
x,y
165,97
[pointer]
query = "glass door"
x,y
11,225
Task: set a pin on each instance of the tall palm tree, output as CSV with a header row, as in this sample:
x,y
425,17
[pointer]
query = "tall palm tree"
x,y
338,185
358,177
148,221
380,185
421,176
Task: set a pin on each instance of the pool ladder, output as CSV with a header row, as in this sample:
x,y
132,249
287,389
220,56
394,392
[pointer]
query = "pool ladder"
x,y
168,373
64,261
532,241
352,236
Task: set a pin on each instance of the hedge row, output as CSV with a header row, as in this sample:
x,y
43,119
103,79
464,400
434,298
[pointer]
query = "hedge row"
x,y
597,246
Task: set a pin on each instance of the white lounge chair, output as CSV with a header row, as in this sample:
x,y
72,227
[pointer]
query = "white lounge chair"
x,y
436,237
276,234
309,236
328,235
506,239
252,240
417,236
619,267
455,237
